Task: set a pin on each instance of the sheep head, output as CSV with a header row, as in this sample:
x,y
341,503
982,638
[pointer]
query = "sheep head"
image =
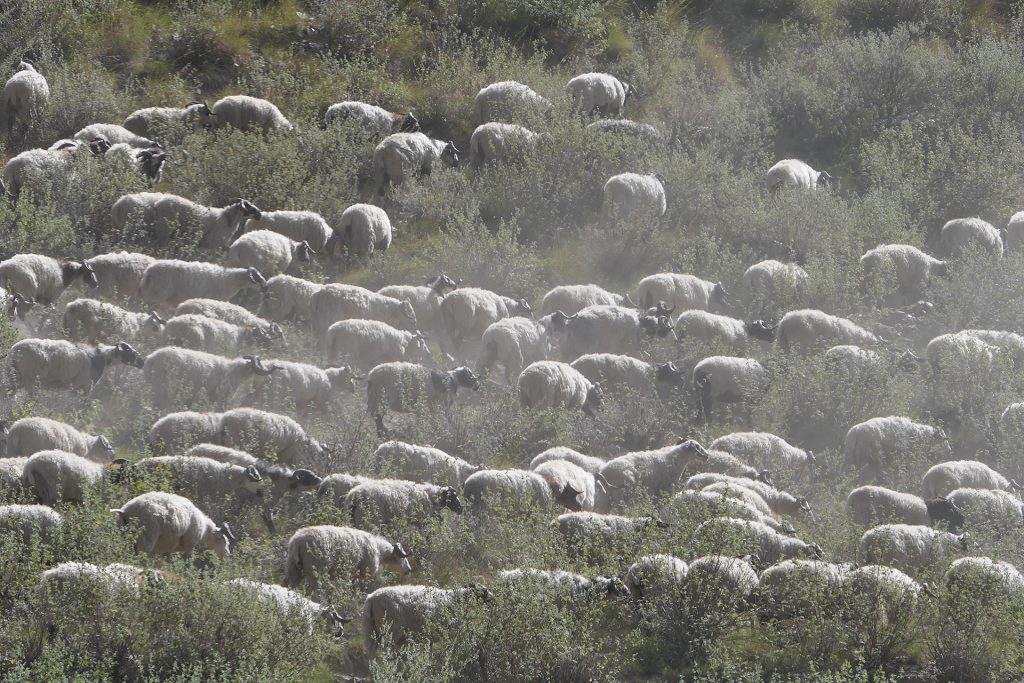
x,y
125,353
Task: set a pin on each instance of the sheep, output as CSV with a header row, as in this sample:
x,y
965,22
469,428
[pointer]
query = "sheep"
x,y
615,373
287,603
221,310
29,520
69,583
654,576
204,481
958,362
426,301
402,155
371,118
10,473
55,476
987,508
780,502
962,234
147,162
200,333
422,464
151,120
33,434
336,486
505,489
268,252
305,386
248,113
404,612
765,450
652,472
171,523
573,487
731,501
43,278
508,101
277,480
643,132
24,98
118,274
337,301
911,268
710,328
1009,344
173,433
728,576
386,501
869,505
368,343
317,553
1013,238
946,477
768,545
467,312
796,174
879,443
289,298
727,379
630,195
167,215
565,587
983,576
583,533
883,591
735,492
23,167
91,321
400,386
277,438
113,134
721,462
571,299
58,364
299,226
805,330
770,281
599,93
793,587
611,329
853,360
179,376
586,462
167,283
494,143
908,547
683,292
518,342
550,384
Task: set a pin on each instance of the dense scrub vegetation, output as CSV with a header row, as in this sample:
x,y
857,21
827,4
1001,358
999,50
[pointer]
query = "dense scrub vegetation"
x,y
915,107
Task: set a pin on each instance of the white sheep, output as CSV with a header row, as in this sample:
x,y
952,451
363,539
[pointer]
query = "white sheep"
x,y
42,278
793,173
336,486
1013,238
401,387
517,342
24,98
10,473
962,234
643,132
505,489
204,481
82,580
727,379
573,487
371,117
959,362
367,343
654,576
299,226
403,612
182,377
724,575
28,520
731,501
274,437
806,330
33,434
868,505
171,523
884,591
317,553
403,155
221,310
908,547
733,492
286,603
572,299
22,168
611,329
946,477
147,162
1010,344
167,283
508,101
988,508
425,300
246,113
385,501
565,587
770,281
792,587
851,359
307,387
682,292
467,312
550,384
631,195
587,462
585,534
337,301
494,143
652,472
118,274
200,333
58,476
767,544
277,479
983,576
721,462
780,502
268,252
59,364
599,93
151,120
93,321
911,268
879,443
289,298
710,328
422,464
765,450
616,373
113,134
168,215
173,433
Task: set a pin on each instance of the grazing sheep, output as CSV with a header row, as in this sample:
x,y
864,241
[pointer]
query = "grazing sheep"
x,y
959,362
724,575
508,101
268,252
983,576
337,486
167,283
58,476
870,505
911,268
615,373
505,489
710,328
1013,238
793,173
147,162
765,450
173,433
113,134
337,301
550,384
643,132
467,312
988,508
58,364
494,143
780,502
42,278
363,229
768,545
853,360
305,386
289,298
404,612
10,473
179,376
299,226
585,533
946,477
83,580
402,386
962,234
277,479
652,472
518,342
288,603
725,500
586,462
151,120
248,113
599,93
733,492
28,520
1010,429
33,434
422,464
172,523
571,299
574,488
885,591
91,321
24,98
1009,344
771,281
368,343
371,117
879,443
721,462
727,379
908,547
611,329
277,438
402,155
167,215
806,330
682,292
221,310
118,274
200,333
631,195
204,481
426,301
793,587
318,553
385,501
22,168
566,587
654,576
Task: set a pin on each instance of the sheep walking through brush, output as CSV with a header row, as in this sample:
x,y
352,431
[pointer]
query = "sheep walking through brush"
x,y
220,310
508,101
58,364
681,292
298,226
166,284
617,373
289,298
197,332
401,156
91,321
271,436
152,120
727,379
652,472
961,235
586,462
366,344
632,195
423,464
571,299
404,612
517,490
306,387
908,547
876,445
585,534
769,282
58,476
118,275
25,96
611,329
371,118
183,377
167,216
550,384
988,508
42,278
467,312
495,143
768,545
246,113
384,502
204,481
364,229
736,335
113,134
870,505
944,478
33,434
654,576
796,174
766,450
517,342
268,252
175,432
171,524
318,553
27,521
425,300
574,488
807,330
599,93
401,387
337,301
909,268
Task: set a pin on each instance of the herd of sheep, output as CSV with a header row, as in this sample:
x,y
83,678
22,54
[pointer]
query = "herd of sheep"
x,y
210,327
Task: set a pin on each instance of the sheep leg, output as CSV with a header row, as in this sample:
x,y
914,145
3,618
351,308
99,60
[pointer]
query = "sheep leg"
x,y
382,431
